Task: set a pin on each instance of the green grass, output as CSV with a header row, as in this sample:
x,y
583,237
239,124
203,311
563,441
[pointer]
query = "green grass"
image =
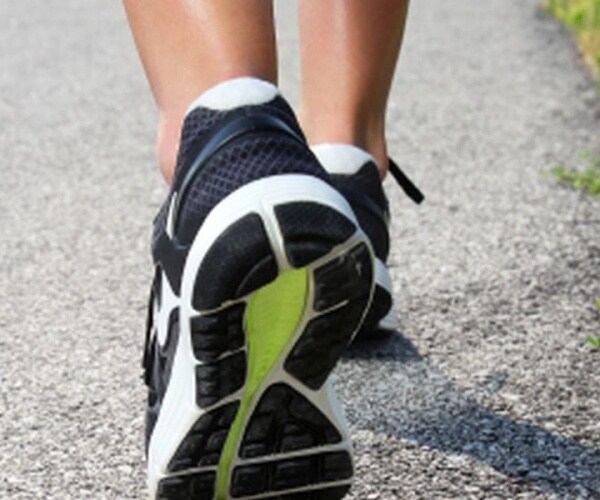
x,y
586,180
594,340
582,17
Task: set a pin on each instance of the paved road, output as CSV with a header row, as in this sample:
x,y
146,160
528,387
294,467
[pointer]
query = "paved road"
x,y
488,392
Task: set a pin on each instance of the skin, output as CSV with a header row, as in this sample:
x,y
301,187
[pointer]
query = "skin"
x,y
345,88
187,46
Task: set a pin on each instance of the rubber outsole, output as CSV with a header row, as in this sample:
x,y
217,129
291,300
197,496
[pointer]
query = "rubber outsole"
x,y
275,299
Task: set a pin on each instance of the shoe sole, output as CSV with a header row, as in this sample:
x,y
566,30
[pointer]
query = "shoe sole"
x,y
276,284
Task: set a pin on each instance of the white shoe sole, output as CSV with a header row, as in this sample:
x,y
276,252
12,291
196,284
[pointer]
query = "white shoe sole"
x,y
206,442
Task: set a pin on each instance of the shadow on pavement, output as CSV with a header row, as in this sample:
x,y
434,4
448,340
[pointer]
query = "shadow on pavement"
x,y
446,418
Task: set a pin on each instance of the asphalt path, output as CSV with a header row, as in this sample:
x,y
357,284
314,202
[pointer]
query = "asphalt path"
x,y
488,391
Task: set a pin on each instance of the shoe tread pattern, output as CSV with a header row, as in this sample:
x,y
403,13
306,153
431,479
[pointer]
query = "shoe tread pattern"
x,y
279,475
234,253
347,280
199,486
218,333
219,379
285,421
203,443
311,230
240,261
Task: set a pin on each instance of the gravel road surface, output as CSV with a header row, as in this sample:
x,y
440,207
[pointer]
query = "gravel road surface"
x,y
489,391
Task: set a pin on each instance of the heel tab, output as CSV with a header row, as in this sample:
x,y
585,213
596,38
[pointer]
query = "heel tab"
x,y
234,93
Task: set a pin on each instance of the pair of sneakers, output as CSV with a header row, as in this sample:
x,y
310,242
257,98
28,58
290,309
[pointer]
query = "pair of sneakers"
x,y
269,258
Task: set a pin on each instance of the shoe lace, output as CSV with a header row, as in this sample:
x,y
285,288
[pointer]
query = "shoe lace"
x,y
405,183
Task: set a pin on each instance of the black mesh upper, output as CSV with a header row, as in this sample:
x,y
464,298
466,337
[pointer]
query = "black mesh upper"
x,y
248,158
367,183
160,221
201,120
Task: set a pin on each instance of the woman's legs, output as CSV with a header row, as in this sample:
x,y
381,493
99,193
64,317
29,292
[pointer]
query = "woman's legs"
x,y
349,50
202,42
232,227
187,46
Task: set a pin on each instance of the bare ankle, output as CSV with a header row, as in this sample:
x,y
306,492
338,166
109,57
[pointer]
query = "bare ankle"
x,y
167,144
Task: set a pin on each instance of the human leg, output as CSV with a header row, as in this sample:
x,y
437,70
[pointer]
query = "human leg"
x,y
187,46
261,280
349,50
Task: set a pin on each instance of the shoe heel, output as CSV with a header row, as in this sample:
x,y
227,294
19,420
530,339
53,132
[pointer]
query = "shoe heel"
x,y
270,300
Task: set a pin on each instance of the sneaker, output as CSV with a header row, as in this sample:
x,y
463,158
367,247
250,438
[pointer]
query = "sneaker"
x,y
355,174
262,278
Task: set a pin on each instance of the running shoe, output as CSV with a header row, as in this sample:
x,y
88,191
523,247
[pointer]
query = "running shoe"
x,y
262,278
354,173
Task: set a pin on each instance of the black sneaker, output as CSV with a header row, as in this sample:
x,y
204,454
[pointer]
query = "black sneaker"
x,y
262,278
354,173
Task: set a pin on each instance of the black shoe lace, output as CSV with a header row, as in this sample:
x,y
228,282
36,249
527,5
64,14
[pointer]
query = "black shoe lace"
x,y
405,183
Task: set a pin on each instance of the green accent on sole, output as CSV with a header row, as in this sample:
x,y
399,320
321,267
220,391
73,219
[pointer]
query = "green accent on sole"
x,y
271,318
